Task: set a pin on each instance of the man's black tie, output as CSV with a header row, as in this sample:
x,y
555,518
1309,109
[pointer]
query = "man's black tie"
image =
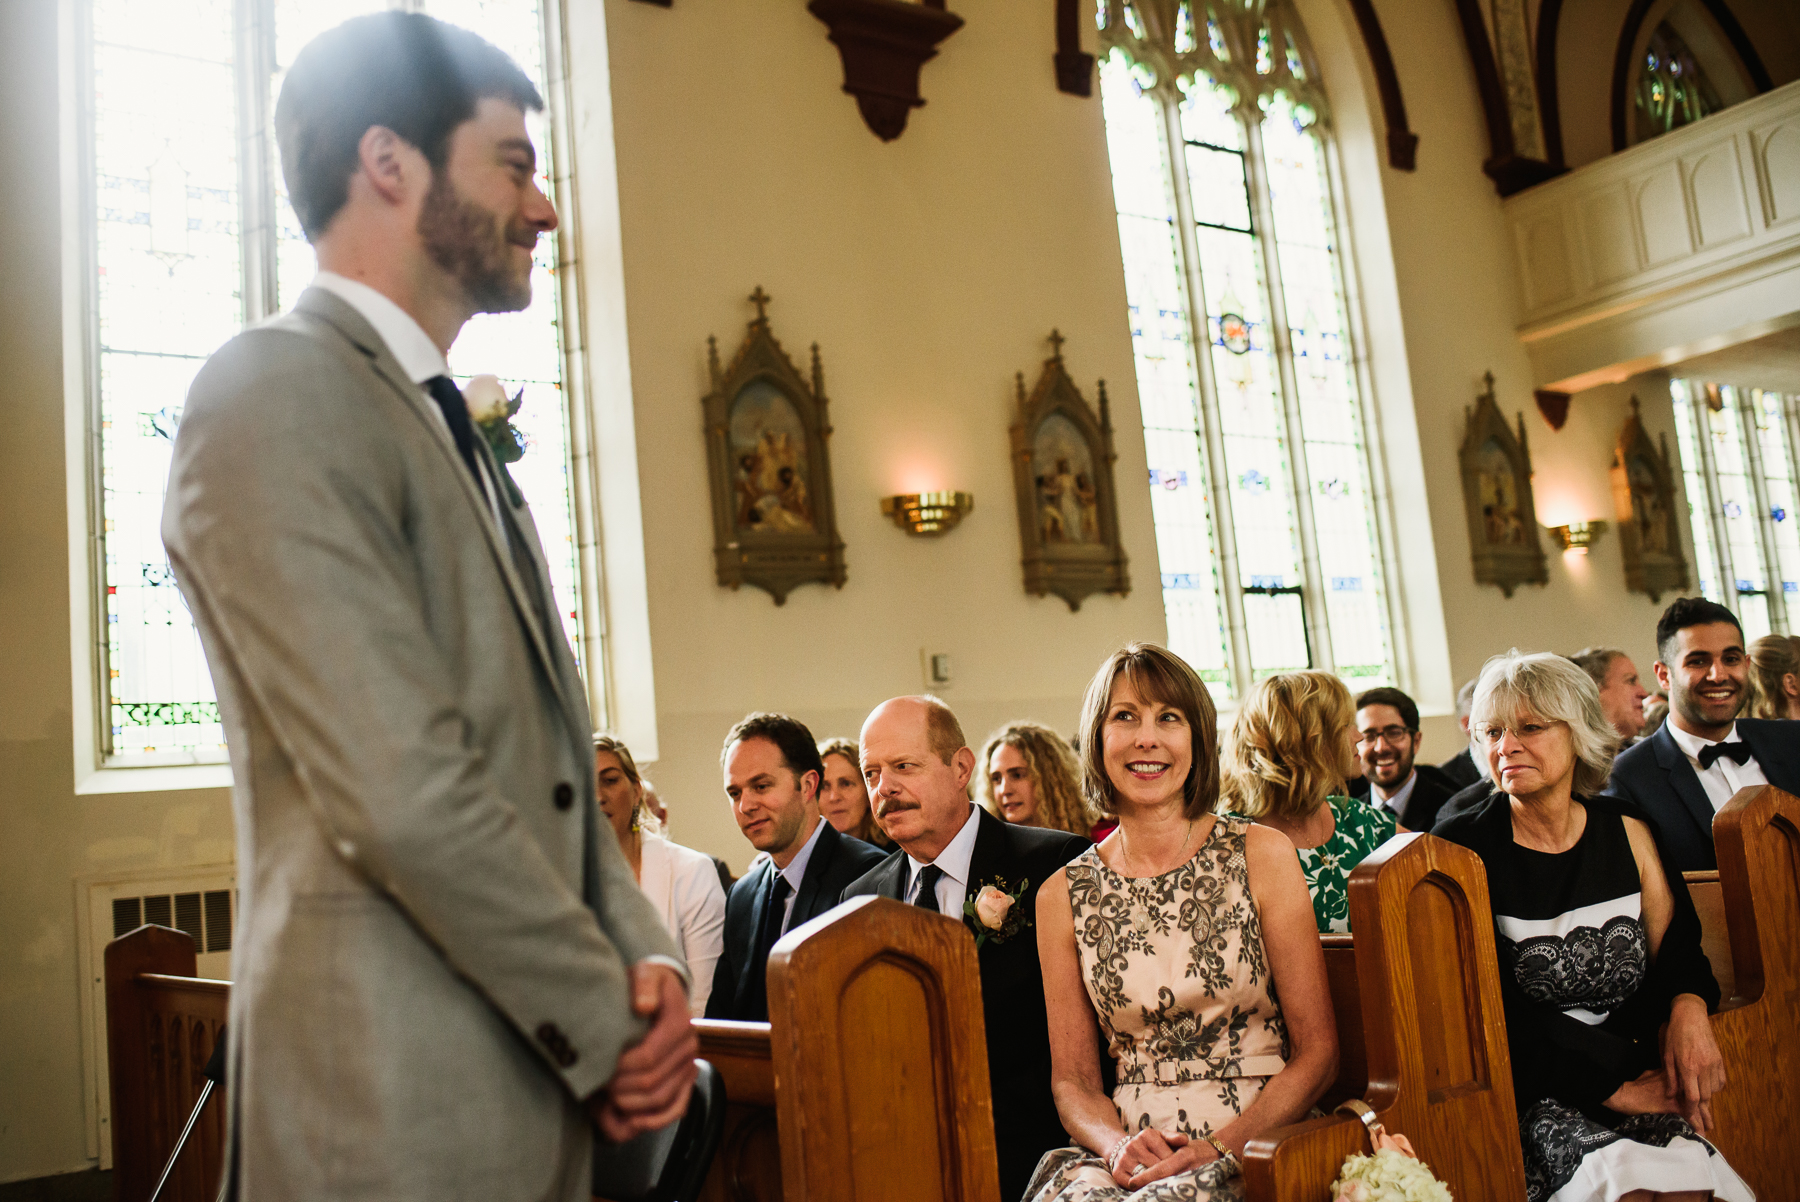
x,y
1738,752
449,399
929,876
774,911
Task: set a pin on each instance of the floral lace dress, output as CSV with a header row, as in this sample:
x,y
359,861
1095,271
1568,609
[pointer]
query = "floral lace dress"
x,y
1177,973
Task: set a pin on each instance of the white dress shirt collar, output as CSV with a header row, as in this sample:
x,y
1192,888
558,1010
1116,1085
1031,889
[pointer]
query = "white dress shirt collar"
x,y
1395,802
418,356
1692,745
1722,781
953,862
795,872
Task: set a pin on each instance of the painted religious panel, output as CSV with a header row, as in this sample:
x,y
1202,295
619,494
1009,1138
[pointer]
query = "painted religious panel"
x,y
1644,500
1063,475
766,429
1496,473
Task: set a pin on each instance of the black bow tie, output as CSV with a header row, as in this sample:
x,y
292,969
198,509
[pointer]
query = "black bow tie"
x,y
1738,752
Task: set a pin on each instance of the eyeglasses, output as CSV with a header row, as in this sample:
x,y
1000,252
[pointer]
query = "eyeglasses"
x,y
1525,732
1395,735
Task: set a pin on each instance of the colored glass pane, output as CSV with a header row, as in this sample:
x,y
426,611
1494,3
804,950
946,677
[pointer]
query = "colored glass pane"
x,y
1777,465
1694,484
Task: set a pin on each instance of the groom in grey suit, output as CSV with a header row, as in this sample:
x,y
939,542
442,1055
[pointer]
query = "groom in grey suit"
x,y
446,976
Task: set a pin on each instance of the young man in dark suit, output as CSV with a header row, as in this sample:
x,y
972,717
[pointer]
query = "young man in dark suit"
x,y
1388,739
772,775
961,861
1682,775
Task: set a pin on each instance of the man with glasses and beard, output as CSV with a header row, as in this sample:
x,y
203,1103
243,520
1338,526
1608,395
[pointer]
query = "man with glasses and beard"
x,y
446,975
1388,739
1682,775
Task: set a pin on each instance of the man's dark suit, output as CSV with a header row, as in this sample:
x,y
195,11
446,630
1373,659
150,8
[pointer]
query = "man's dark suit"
x,y
738,979
1428,796
1654,775
1012,987
1461,769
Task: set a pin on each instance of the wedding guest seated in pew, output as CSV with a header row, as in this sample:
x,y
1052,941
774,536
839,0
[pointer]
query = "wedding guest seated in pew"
x,y
1174,937
960,860
1681,776
1622,694
1284,767
1605,987
682,883
772,773
1387,721
1775,670
1030,777
844,796
1461,768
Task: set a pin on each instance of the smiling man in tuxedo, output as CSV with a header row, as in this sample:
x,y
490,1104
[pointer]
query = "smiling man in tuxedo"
x,y
445,971
1682,775
918,766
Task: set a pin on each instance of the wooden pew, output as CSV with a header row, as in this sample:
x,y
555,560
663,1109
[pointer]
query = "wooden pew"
x,y
1432,1038
1757,836
161,1021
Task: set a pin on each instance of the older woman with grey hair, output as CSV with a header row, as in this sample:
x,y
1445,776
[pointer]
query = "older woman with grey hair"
x,y
1599,949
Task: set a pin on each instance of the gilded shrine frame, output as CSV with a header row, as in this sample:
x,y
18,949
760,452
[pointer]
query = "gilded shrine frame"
x,y
774,522
1648,511
1063,476
1504,541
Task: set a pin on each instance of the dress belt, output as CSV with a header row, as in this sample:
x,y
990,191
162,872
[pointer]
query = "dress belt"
x,y
1133,1068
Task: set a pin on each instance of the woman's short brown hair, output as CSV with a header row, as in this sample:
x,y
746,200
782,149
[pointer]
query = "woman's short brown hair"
x,y
1155,674
1286,752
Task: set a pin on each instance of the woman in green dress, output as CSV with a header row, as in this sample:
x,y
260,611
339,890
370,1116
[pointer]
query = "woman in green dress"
x,y
1290,750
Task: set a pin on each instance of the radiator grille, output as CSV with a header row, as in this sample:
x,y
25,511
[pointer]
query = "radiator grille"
x,y
207,917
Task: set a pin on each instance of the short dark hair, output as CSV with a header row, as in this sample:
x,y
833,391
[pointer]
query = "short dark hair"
x,y
1387,695
408,72
799,751
1684,612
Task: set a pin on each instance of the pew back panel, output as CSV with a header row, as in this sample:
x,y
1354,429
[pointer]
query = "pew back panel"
x,y
161,1022
1715,935
1757,836
1432,1031
748,1165
1346,1006
881,1058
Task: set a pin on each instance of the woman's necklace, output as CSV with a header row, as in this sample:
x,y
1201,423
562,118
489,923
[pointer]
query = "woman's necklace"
x,y
1125,848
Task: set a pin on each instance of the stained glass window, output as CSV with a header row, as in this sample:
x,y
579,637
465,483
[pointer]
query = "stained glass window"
x,y
1739,467
171,253
1258,474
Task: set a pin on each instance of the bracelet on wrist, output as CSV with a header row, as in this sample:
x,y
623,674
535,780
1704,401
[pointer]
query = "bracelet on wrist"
x,y
1224,1152
1113,1153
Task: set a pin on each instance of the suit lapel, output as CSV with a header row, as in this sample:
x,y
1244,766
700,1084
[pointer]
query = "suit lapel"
x,y
347,321
759,901
1682,779
817,865
892,879
991,855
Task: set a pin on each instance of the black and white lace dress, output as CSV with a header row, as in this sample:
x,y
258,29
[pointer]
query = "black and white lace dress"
x,y
1584,1001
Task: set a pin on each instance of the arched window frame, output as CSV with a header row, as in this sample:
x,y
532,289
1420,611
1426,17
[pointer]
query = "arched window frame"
x,y
1255,51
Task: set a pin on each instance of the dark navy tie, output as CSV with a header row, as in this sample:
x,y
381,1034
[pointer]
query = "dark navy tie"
x,y
1710,754
449,399
927,897
774,914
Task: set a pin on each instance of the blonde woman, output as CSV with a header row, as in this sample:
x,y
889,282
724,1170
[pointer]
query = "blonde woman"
x,y
844,795
1030,777
1604,984
682,883
1186,939
1284,766
1775,667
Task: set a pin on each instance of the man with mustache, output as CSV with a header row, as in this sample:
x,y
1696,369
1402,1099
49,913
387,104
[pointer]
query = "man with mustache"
x,y
961,861
445,972
772,774
1682,775
1388,739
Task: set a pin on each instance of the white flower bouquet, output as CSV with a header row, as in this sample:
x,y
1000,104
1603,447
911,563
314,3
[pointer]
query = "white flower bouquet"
x,y
1392,1172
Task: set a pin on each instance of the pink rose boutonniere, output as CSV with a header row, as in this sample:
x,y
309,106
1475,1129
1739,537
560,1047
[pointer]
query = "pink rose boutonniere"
x,y
994,913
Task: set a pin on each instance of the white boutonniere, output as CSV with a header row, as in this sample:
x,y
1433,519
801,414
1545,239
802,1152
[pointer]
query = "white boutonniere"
x,y
492,411
994,913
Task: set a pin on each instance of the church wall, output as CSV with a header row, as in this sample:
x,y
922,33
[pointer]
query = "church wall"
x,y
929,270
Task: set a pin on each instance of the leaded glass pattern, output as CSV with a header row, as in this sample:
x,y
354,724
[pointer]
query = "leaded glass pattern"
x,y
169,255
1236,386
1693,479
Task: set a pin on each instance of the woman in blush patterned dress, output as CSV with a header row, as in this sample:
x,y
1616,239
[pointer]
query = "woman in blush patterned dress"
x,y
1290,748
1173,937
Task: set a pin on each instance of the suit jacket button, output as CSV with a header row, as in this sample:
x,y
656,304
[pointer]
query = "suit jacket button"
x,y
563,795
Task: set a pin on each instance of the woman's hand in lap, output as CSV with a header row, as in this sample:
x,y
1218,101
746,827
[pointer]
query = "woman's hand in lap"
x,y
1693,1069
1649,1094
1152,1149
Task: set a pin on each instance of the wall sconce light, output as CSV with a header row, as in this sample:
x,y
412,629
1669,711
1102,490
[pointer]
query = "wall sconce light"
x,y
928,512
1577,536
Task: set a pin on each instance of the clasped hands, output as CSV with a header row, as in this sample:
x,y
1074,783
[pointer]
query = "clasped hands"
x,y
1150,1155
1692,1072
654,1079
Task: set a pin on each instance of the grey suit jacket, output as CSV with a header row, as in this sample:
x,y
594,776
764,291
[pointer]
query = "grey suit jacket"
x,y
430,969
